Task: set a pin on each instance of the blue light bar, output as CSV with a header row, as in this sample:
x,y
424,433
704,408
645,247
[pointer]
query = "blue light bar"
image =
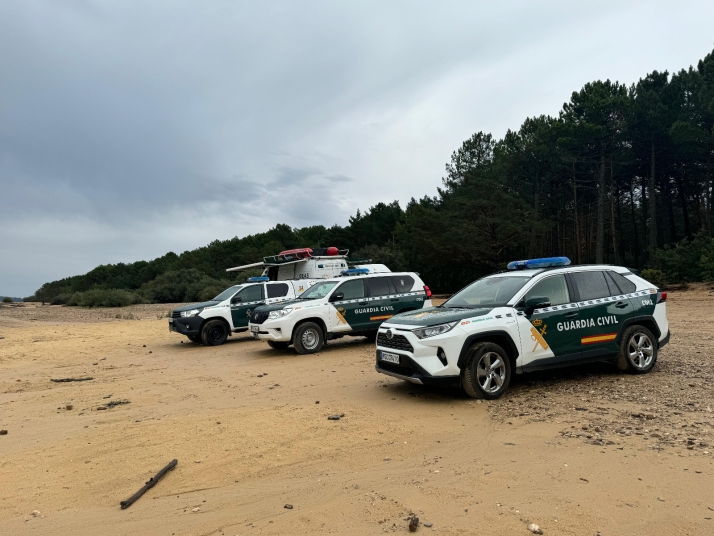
x,y
258,279
355,271
532,264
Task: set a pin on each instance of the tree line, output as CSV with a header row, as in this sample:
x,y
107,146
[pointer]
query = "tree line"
x,y
623,175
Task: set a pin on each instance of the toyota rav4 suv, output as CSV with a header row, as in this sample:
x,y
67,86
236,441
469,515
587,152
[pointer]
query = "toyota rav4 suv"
x,y
540,314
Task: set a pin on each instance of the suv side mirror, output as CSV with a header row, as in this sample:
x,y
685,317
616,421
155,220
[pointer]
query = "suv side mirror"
x,y
536,302
236,299
337,296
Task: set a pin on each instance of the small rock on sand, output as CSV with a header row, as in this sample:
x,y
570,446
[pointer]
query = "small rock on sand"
x,y
535,529
413,523
68,406
288,506
3,432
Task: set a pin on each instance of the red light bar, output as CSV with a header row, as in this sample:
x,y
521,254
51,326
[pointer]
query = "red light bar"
x,y
428,291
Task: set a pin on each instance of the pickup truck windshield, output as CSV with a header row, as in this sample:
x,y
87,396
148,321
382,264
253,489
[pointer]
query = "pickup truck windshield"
x,y
318,291
487,292
228,293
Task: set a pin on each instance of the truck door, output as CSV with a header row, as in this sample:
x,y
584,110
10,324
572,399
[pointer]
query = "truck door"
x,y
604,310
345,302
244,302
545,335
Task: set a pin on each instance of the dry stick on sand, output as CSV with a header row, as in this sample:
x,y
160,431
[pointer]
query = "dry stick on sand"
x,y
63,380
150,484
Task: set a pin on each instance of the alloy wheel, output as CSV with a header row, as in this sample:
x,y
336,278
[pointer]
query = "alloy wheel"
x,y
491,372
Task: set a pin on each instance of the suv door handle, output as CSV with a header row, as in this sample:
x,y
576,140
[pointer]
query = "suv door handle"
x,y
621,305
362,303
395,299
572,315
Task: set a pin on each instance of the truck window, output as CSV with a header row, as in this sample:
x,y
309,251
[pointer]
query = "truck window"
x,y
379,286
553,287
403,283
252,293
591,285
277,290
352,289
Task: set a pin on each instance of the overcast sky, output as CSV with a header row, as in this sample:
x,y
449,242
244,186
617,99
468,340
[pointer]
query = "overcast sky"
x,y
130,129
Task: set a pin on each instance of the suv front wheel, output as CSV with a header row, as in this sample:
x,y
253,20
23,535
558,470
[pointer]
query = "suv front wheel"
x,y
487,371
308,338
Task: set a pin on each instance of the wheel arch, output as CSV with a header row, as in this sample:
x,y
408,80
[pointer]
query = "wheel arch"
x,y
218,317
644,321
315,319
500,337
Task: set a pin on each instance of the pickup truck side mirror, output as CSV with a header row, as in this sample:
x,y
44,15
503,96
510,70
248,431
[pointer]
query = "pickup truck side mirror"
x,y
536,302
236,299
337,296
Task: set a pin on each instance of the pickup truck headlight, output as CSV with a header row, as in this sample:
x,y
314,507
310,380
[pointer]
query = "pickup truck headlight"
x,y
192,312
274,315
433,331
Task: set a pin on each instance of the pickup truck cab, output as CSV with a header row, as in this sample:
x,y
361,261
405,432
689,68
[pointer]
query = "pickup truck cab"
x,y
213,321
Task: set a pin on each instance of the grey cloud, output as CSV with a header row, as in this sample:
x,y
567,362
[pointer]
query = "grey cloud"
x,y
118,120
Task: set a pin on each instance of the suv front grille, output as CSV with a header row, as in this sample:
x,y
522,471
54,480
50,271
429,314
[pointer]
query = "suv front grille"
x,y
397,342
258,317
175,314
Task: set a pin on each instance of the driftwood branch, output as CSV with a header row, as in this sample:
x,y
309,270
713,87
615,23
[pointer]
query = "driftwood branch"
x,y
63,380
150,484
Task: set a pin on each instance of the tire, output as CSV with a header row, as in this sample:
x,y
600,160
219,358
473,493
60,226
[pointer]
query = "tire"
x,y
638,350
195,338
278,345
214,333
487,372
308,338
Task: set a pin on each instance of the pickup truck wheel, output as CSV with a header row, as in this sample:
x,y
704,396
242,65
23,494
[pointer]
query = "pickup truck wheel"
x,y
214,333
487,372
638,350
194,338
278,345
308,338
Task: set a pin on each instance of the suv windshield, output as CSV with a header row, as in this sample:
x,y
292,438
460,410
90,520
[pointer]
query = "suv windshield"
x,y
227,293
318,290
488,292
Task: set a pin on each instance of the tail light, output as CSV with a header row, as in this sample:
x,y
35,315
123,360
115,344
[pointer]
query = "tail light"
x,y
662,297
428,291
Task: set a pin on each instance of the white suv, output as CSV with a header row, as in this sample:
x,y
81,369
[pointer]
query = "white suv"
x,y
541,314
352,305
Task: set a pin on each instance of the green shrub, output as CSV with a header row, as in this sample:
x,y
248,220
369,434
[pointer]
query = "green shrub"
x,y
656,277
687,260
60,299
99,297
7,299
187,285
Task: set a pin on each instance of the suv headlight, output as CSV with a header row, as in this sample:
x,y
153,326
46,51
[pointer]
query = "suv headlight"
x,y
192,312
433,331
274,315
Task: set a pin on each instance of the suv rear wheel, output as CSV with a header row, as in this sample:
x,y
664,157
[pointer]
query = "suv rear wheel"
x,y
638,350
214,333
487,372
308,338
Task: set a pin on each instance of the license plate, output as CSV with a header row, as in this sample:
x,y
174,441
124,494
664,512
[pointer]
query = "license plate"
x,y
390,358
254,329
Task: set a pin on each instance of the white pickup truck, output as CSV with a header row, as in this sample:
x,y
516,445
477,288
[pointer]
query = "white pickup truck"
x,y
213,321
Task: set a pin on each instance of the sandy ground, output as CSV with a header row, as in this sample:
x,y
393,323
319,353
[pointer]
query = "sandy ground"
x,y
578,451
